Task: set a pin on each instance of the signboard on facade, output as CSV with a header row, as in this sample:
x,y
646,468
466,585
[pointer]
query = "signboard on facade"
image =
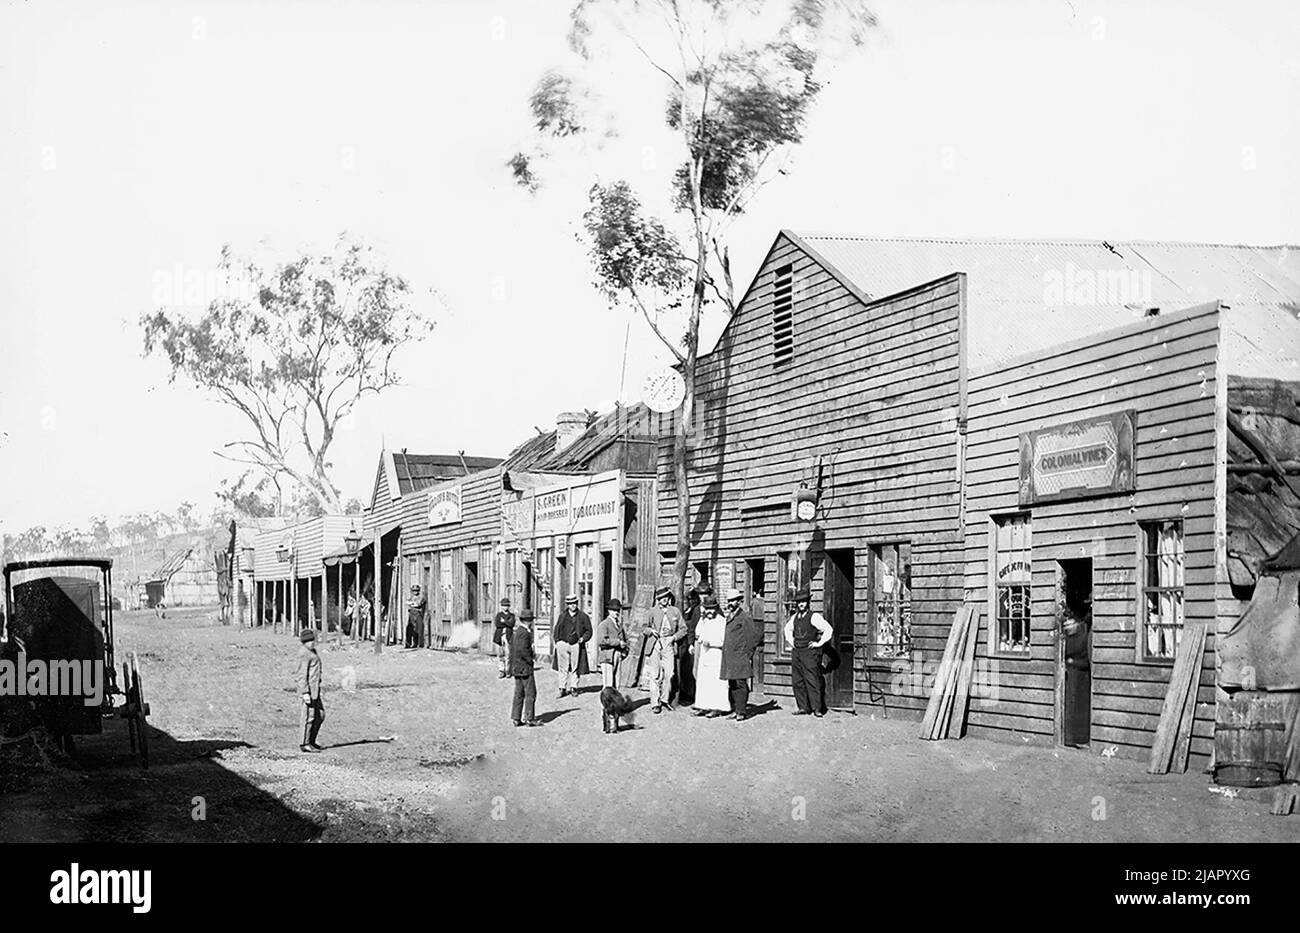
x,y
444,506
585,505
1078,459
516,516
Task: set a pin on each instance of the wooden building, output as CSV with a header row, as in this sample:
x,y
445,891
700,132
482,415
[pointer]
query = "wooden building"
x,y
1031,429
549,519
293,583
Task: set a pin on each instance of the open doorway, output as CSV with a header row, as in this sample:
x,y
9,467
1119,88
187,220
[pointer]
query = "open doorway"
x,y
1074,627
839,613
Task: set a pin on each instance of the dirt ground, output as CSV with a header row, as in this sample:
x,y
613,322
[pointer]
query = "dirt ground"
x,y
420,747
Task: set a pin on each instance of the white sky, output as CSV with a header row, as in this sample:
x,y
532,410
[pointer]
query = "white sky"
x,y
137,137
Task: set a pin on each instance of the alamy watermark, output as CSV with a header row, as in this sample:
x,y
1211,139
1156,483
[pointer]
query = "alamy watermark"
x,y
23,676
1076,286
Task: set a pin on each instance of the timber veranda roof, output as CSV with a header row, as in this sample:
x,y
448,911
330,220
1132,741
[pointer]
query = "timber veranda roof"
x,y
1027,295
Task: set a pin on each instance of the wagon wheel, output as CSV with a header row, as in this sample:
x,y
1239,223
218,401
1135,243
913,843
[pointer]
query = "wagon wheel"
x,y
139,711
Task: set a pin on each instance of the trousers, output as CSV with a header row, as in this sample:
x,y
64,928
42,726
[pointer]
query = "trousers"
x,y
313,715
807,679
566,664
663,661
738,693
608,671
523,709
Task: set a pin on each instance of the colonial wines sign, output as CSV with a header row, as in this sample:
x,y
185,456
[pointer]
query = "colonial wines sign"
x,y
1078,459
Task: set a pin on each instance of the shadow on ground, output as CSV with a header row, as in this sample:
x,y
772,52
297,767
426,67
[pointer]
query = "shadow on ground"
x,y
102,794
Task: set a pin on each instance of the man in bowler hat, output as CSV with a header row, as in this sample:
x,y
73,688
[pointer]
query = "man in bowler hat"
x,y
309,677
522,660
806,632
502,626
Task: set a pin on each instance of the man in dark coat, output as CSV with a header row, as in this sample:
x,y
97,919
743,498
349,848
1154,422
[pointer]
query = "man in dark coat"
x,y
742,639
685,659
503,624
570,637
522,660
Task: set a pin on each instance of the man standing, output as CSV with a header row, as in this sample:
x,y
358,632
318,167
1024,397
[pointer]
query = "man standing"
x,y
806,632
667,630
685,657
742,639
572,632
415,617
611,642
309,675
522,660
503,624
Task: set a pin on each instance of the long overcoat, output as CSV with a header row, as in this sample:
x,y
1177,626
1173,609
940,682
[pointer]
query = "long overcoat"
x,y
743,637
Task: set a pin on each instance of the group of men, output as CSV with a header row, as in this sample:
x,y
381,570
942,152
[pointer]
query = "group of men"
x,y
698,657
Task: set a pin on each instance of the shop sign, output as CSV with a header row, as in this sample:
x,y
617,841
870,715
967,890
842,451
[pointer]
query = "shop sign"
x,y
1078,459
444,506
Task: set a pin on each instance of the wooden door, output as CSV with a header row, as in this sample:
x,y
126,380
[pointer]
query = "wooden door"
x,y
838,595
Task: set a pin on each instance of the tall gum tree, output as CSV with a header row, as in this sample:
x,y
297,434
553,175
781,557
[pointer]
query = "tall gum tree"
x,y
293,349
735,81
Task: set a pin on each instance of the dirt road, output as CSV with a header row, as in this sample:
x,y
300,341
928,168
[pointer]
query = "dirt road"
x,y
420,747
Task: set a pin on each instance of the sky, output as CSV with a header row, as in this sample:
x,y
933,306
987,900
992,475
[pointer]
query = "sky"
x,y
137,138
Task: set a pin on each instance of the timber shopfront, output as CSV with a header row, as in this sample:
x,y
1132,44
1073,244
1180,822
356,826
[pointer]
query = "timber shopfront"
x,y
1092,477
575,535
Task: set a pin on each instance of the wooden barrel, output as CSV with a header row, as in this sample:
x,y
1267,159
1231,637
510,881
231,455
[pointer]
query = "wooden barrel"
x,y
1250,737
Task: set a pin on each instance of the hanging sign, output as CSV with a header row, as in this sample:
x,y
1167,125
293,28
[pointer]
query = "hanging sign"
x,y
1078,459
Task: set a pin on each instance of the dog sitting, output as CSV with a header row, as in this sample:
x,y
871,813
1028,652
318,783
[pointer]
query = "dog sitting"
x,y
613,705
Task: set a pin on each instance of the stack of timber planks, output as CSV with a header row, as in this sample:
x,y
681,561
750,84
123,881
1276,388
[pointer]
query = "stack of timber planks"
x,y
945,714
1174,733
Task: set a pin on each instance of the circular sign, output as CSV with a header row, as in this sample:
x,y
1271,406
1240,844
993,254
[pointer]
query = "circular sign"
x,y
663,391
806,510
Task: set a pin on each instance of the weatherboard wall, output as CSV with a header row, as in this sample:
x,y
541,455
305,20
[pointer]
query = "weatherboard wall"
x,y
873,388
1164,369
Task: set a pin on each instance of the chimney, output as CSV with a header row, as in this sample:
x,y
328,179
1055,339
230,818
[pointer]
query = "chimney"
x,y
569,426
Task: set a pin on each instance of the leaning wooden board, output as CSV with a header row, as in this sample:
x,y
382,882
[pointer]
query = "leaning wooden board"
x,y
966,675
941,692
1186,674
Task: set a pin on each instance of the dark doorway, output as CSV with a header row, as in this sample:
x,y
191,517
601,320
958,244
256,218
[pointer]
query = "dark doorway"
x,y
471,590
756,599
529,583
702,575
606,580
1074,623
839,613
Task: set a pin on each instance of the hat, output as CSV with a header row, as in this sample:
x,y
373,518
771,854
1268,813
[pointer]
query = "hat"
x,y
505,600
526,616
662,592
709,601
571,598
803,594
614,603
734,593
308,634
704,588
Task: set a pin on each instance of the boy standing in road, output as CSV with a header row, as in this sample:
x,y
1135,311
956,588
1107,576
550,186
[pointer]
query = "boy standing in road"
x,y
309,676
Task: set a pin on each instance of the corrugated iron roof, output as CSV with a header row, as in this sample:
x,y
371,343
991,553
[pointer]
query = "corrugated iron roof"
x,y
419,471
1025,295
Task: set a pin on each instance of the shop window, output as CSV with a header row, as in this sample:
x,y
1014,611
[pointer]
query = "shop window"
x,y
891,581
587,578
487,572
783,316
1161,599
545,576
792,573
444,579
1012,568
